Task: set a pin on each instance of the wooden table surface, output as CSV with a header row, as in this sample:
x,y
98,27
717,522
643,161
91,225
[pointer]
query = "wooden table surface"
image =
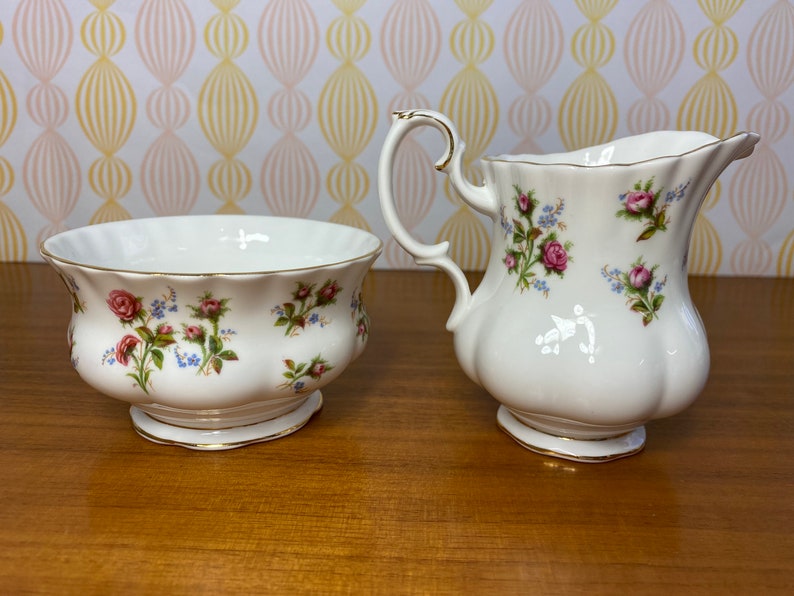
x,y
403,483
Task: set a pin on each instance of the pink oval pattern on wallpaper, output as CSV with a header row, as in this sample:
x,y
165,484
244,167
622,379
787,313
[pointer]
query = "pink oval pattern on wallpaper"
x,y
289,38
165,36
759,189
42,31
653,51
533,47
410,46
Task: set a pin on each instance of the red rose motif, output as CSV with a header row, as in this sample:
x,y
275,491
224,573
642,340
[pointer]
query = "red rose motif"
x,y
640,277
554,256
123,304
125,347
317,370
302,292
638,201
210,307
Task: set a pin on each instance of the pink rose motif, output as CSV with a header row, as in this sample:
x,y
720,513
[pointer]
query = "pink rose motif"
x,y
210,307
638,201
510,261
165,330
302,293
328,292
640,277
554,256
523,202
317,370
124,305
362,329
194,333
125,347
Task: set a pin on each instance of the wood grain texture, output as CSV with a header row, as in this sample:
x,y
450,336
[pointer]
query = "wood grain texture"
x,y
403,482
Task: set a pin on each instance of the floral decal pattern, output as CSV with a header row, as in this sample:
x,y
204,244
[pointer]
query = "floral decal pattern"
x,y
641,286
297,373
73,289
144,350
210,341
535,244
301,312
360,316
645,204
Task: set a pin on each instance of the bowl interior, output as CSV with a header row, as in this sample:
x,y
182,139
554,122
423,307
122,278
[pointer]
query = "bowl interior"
x,y
211,244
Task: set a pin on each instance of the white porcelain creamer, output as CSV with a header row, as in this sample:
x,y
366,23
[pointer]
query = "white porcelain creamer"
x,y
582,327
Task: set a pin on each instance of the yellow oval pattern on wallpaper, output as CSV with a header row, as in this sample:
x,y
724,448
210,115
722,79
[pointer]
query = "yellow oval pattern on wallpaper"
x,y
13,245
470,101
592,47
347,113
105,106
112,110
228,108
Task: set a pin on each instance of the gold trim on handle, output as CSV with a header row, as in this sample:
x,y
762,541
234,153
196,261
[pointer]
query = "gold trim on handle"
x,y
408,114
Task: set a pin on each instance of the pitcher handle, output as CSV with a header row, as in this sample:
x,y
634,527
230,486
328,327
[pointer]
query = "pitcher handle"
x,y
478,197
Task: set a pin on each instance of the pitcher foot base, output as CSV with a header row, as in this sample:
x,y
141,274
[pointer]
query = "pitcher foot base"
x,y
588,451
225,438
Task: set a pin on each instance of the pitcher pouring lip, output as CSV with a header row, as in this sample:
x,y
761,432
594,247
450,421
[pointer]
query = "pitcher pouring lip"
x,y
639,149
582,326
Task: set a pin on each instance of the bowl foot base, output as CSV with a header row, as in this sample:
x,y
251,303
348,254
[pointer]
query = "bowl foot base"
x,y
225,438
581,450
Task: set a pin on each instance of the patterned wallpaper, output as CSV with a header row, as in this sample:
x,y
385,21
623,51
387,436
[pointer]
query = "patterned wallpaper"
x,y
117,109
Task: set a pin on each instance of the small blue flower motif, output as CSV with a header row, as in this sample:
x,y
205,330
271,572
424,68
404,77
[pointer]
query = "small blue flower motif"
x,y
299,386
506,223
193,360
657,287
547,221
277,310
540,285
314,318
158,308
109,357
617,288
677,193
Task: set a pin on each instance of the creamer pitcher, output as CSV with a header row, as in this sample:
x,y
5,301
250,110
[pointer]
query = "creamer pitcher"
x,y
582,327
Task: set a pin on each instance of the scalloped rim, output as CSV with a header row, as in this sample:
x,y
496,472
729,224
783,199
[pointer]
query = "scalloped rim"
x,y
48,254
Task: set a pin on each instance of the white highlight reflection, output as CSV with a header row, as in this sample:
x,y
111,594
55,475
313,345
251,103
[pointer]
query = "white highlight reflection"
x,y
565,329
244,239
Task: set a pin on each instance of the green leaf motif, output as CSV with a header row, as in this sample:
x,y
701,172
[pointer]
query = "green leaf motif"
x,y
227,355
157,358
145,334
